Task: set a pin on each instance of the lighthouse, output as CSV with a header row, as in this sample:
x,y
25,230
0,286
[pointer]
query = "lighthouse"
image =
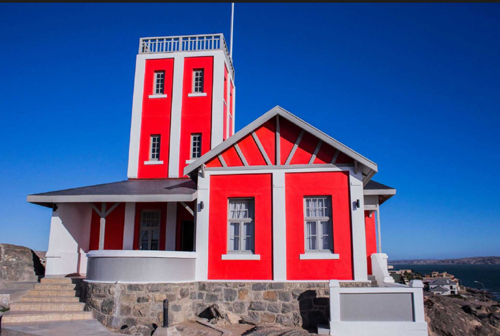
x,y
183,103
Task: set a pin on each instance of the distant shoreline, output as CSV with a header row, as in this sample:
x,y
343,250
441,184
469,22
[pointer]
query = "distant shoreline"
x,y
458,261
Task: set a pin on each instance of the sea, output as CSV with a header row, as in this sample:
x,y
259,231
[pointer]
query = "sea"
x,y
489,275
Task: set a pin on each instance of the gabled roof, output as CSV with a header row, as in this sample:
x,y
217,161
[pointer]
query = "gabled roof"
x,y
442,282
157,190
279,111
439,289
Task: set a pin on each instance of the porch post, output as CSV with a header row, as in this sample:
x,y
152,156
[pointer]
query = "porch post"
x,y
357,208
378,230
102,229
171,226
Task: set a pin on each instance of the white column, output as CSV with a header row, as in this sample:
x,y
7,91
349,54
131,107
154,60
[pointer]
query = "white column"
x,y
129,226
358,226
217,100
418,300
234,108
135,129
202,226
102,232
279,226
171,226
176,115
334,303
378,230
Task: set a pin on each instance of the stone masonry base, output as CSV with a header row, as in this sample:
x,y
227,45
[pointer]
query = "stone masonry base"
x,y
122,306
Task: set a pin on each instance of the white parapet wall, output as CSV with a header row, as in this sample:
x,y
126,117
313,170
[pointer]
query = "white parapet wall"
x,y
69,239
380,270
375,311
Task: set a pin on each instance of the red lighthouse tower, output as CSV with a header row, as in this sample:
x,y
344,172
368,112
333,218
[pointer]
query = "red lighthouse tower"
x,y
183,103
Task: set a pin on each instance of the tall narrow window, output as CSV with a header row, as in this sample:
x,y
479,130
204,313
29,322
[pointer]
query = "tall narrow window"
x,y
154,151
318,223
159,82
241,224
195,145
198,80
150,230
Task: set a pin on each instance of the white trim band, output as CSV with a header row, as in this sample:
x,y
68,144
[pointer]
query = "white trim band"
x,y
141,254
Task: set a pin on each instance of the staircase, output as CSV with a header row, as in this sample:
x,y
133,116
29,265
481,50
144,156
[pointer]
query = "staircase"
x,y
53,299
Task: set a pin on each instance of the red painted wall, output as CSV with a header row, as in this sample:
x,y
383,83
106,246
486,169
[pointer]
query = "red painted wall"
x,y
371,238
289,133
336,185
231,98
251,151
163,221
156,115
226,105
267,136
196,111
305,149
115,222
222,187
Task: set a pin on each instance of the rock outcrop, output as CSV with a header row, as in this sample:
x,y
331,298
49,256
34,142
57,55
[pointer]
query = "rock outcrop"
x,y
454,316
19,263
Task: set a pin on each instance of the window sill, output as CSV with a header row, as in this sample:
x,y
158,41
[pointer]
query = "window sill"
x,y
190,161
241,256
197,94
153,162
158,96
319,256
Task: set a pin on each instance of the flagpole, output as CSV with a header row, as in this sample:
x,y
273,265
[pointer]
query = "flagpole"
x,y
231,36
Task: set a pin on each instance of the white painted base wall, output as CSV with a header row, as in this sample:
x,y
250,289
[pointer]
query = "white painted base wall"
x,y
69,239
378,329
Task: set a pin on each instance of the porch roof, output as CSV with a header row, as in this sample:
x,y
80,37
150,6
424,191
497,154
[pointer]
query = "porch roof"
x,y
378,189
154,190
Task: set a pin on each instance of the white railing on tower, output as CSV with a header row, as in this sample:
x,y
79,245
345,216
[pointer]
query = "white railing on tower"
x,y
167,44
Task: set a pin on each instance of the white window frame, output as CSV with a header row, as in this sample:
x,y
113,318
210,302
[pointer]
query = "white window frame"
x,y
241,222
151,147
198,88
192,152
150,230
161,90
319,252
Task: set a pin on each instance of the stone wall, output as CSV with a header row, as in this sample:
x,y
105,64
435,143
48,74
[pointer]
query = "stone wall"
x,y
132,306
18,263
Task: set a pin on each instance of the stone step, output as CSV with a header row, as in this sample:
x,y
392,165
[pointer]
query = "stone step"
x,y
47,306
50,299
49,286
56,281
35,292
20,284
34,316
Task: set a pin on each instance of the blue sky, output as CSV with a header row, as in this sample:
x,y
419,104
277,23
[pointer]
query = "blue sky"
x,y
414,87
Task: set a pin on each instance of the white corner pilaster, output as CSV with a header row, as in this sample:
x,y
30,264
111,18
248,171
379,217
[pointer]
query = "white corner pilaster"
x,y
202,209
128,231
358,225
234,108
175,119
217,101
171,226
135,128
279,226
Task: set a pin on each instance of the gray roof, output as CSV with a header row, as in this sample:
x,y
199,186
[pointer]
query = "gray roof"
x,y
378,189
277,110
439,289
441,282
155,190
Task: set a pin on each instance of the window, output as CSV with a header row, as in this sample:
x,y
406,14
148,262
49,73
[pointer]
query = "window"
x,y
198,80
154,151
318,223
241,225
150,230
159,83
195,145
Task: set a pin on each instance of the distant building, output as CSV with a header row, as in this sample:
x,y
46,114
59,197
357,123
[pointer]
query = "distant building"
x,y
443,286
